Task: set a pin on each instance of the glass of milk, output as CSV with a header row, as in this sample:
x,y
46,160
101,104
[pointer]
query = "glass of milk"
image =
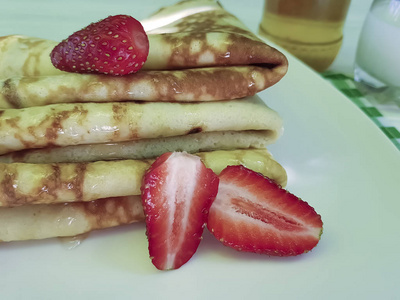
x,y
378,54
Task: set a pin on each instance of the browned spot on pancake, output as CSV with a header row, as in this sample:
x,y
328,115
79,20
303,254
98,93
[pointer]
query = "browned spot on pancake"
x,y
10,195
49,188
76,184
1,112
56,126
63,94
27,144
82,111
119,114
135,112
54,123
119,111
113,211
50,184
14,123
53,184
9,92
256,52
7,189
195,130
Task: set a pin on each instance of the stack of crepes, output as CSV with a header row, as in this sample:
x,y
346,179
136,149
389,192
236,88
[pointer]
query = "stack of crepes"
x,y
74,147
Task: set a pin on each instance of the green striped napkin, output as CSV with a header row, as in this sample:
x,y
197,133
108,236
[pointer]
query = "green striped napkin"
x,y
385,114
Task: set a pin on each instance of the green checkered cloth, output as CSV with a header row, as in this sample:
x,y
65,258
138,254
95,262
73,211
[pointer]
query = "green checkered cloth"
x,y
386,115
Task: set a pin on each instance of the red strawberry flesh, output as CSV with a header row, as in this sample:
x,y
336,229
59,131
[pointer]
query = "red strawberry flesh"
x,y
177,193
252,213
117,45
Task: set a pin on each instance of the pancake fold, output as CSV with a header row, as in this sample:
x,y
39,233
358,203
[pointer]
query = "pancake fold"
x,y
25,184
32,222
93,123
206,56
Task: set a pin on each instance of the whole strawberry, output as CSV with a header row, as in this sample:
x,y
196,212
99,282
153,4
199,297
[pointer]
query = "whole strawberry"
x,y
117,45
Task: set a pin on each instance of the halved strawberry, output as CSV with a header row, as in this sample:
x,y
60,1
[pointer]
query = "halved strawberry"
x,y
117,45
177,192
252,213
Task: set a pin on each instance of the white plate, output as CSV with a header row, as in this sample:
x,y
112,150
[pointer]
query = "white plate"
x,y
336,158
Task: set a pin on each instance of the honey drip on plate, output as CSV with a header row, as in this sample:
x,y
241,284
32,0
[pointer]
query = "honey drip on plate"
x,y
71,242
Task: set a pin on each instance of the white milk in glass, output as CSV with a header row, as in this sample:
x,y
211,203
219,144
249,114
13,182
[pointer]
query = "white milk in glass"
x,y
378,52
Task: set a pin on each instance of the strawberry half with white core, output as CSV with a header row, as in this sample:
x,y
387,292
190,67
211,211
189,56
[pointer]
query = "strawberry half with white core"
x,y
117,45
177,192
252,213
